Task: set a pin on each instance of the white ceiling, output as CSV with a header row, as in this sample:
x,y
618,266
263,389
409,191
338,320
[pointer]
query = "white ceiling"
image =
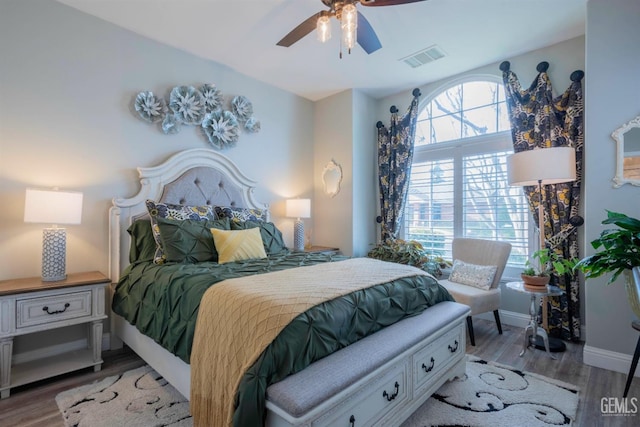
x,y
242,34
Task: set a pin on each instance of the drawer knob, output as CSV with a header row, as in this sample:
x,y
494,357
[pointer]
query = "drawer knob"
x,y
394,395
430,367
352,421
454,348
66,305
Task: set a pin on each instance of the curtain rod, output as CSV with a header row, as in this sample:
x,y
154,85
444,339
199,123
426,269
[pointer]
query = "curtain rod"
x,y
542,67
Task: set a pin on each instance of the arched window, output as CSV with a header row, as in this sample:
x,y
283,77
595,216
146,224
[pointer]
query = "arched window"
x,y
458,184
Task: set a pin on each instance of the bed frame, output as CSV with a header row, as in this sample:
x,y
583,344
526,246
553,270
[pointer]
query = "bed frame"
x,y
194,177
412,346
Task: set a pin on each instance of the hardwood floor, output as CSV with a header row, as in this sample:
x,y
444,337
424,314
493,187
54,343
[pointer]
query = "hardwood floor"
x,y
34,405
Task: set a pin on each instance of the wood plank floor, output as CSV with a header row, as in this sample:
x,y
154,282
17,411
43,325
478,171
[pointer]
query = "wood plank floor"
x,y
34,405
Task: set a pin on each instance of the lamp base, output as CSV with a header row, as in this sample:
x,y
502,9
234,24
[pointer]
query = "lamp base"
x,y
54,249
298,235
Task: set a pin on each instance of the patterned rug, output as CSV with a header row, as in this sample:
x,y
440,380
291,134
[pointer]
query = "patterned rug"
x,y
490,395
137,398
494,395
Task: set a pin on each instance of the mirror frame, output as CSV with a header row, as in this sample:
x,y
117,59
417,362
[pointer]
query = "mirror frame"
x,y
331,188
618,135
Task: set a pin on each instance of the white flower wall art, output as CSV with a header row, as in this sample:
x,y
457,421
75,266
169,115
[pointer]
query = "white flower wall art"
x,y
221,127
202,107
150,108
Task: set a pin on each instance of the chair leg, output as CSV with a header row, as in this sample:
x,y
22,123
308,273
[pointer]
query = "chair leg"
x,y
632,370
470,329
496,314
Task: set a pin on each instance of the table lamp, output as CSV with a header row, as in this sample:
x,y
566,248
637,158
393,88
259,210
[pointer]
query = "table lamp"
x,y
542,166
53,207
298,208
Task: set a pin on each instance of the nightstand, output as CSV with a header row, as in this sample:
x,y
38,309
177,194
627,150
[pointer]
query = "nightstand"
x,y
31,305
322,250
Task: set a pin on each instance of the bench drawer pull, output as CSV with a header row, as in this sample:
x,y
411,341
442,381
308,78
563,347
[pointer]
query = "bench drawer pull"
x,y
352,421
454,349
394,395
430,367
46,308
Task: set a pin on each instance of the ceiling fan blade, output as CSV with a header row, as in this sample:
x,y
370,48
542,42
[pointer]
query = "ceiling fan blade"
x,y
366,37
387,2
300,31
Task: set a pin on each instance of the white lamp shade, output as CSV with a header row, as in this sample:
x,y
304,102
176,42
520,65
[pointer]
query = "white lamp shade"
x,y
53,207
298,208
545,165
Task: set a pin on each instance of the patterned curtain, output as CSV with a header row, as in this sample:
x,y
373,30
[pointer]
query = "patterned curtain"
x,y
395,155
538,120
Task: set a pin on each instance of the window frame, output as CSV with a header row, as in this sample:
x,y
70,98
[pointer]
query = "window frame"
x,y
457,150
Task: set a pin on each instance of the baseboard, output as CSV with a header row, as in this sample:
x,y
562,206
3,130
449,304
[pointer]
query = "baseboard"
x,y
510,318
606,359
29,356
516,319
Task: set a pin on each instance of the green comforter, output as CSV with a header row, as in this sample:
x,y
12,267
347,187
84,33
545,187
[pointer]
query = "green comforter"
x,y
163,301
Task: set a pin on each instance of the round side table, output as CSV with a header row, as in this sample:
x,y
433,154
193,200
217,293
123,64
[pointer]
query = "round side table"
x,y
533,331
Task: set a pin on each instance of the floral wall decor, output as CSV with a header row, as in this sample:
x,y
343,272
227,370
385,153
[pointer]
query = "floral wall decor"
x,y
202,107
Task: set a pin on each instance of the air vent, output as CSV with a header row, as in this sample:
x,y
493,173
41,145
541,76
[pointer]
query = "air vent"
x,y
430,54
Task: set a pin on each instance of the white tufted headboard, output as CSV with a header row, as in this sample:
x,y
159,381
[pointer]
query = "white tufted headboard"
x,y
193,177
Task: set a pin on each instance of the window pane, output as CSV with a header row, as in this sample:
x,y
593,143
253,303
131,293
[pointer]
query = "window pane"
x,y
503,117
423,132
479,121
478,94
449,102
491,208
501,95
446,128
429,215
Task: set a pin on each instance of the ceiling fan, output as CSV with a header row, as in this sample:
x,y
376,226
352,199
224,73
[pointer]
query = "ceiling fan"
x,y
354,26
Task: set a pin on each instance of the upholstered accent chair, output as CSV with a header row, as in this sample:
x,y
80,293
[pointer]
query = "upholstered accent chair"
x,y
475,276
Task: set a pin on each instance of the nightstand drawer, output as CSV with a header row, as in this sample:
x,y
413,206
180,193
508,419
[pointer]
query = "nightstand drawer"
x,y
53,308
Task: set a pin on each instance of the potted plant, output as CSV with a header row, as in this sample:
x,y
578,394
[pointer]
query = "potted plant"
x,y
548,262
410,252
617,252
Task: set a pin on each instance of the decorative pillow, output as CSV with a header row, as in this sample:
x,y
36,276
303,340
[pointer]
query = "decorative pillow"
x,y
238,245
271,237
480,276
171,211
189,241
241,214
143,244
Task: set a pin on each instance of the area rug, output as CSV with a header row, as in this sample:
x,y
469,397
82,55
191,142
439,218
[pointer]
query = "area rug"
x,y
489,395
495,395
136,398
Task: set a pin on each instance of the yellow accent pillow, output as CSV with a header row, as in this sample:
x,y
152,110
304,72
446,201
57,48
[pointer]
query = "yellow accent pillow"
x,y
238,245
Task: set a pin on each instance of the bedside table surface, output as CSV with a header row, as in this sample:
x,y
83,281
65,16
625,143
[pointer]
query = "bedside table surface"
x,y
35,284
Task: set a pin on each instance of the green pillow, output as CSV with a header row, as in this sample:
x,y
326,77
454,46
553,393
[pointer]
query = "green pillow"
x,y
190,241
175,212
271,236
143,244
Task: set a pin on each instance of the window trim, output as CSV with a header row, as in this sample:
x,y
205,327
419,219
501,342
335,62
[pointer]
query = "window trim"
x,y
492,142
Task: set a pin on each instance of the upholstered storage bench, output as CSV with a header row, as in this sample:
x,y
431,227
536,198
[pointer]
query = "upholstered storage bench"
x,y
404,364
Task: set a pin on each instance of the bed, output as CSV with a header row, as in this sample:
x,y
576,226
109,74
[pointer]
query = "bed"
x,y
157,304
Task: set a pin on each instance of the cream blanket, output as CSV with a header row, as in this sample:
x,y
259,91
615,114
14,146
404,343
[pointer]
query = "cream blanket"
x,y
239,318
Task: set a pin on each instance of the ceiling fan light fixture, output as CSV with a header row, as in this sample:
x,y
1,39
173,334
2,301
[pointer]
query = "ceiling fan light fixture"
x,y
323,27
349,25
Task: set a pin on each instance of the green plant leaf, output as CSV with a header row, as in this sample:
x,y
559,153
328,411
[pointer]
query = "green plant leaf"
x,y
617,249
